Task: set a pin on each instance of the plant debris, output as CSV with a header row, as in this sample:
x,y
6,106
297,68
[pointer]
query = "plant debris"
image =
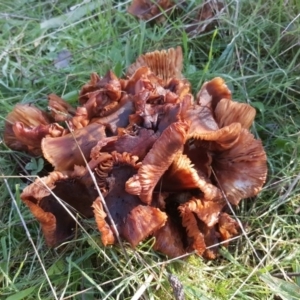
x,y
167,165
63,59
203,19
148,9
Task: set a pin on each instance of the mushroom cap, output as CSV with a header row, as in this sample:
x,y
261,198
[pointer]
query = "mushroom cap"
x,y
157,161
168,240
61,110
26,126
212,92
134,220
41,198
73,148
147,9
138,143
228,227
241,170
103,90
189,221
107,235
182,175
228,112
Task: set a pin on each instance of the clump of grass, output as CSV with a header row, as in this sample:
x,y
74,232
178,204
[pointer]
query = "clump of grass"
x,y
255,48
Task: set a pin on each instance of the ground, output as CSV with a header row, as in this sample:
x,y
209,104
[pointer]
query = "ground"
x,y
254,46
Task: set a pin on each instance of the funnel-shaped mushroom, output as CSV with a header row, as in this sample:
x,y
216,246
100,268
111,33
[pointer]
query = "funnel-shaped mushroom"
x,y
104,91
45,195
181,175
241,170
212,92
166,165
134,220
73,148
228,112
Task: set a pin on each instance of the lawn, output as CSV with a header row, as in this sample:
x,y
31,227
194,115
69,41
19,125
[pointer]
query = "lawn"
x,y
254,46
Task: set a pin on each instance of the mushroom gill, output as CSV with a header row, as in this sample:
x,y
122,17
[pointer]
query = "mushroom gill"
x,y
166,64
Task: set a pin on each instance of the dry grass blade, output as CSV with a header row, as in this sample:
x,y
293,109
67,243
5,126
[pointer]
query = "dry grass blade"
x,y
142,288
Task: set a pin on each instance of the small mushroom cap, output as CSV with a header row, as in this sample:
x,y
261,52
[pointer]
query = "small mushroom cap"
x,y
228,227
212,92
61,110
207,211
107,88
107,235
228,112
148,9
29,115
189,221
204,127
138,144
141,222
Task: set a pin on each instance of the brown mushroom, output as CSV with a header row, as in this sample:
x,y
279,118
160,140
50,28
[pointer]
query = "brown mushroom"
x,y
26,126
165,165
134,220
166,64
157,161
60,109
241,170
148,9
169,239
227,227
42,198
73,148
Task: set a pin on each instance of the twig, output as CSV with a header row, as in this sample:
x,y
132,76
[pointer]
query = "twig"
x,y
289,274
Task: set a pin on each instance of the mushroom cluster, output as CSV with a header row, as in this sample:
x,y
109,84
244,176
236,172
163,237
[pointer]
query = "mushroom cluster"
x,y
166,164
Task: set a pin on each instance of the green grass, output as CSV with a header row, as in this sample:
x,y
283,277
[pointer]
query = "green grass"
x,y
256,49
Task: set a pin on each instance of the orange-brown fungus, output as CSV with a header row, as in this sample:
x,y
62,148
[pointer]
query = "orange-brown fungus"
x,y
166,166
149,9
